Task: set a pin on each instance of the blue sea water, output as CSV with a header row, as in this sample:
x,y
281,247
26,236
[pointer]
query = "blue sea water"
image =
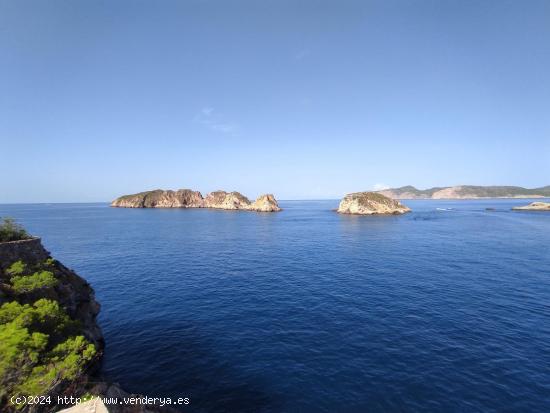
x,y
310,311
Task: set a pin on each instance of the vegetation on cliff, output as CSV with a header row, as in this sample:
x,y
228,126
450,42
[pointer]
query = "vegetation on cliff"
x,y
39,348
42,347
36,280
11,231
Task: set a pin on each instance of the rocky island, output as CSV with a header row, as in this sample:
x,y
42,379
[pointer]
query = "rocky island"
x,y
187,198
534,206
370,203
466,192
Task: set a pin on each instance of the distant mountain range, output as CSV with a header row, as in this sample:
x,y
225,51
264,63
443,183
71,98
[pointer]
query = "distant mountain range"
x,y
466,192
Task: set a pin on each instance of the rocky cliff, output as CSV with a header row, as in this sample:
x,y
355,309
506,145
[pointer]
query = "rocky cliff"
x,y
370,203
71,291
186,198
183,198
534,206
226,200
265,203
49,314
466,192
50,342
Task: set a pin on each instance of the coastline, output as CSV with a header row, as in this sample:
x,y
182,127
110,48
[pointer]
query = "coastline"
x,y
474,198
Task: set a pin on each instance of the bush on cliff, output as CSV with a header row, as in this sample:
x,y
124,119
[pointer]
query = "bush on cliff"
x,y
12,231
17,268
26,283
64,362
39,347
19,348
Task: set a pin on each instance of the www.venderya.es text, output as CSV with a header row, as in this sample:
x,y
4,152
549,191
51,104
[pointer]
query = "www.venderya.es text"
x,y
108,401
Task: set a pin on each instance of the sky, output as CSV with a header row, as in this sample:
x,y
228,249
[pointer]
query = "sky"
x,y
303,99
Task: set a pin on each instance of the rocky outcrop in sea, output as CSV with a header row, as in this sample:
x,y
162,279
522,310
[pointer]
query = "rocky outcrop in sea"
x,y
370,203
534,206
186,198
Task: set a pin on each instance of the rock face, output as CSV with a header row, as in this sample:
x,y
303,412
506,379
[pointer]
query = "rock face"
x,y
186,198
183,198
265,203
534,206
226,200
27,250
370,203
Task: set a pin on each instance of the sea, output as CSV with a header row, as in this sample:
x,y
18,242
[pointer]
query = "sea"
x,y
445,309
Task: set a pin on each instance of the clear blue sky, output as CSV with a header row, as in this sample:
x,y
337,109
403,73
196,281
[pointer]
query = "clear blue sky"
x,y
304,99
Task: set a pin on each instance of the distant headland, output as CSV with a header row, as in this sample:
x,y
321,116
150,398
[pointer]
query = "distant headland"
x,y
187,198
466,192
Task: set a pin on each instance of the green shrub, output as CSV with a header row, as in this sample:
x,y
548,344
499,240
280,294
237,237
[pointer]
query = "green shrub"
x,y
38,348
12,231
26,283
13,310
45,316
50,318
17,268
70,355
65,361
37,382
18,348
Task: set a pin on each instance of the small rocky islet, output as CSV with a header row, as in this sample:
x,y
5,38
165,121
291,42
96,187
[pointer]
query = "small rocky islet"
x,y
187,198
534,206
371,203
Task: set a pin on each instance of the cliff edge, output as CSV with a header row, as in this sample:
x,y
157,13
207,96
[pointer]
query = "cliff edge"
x,y
50,343
49,337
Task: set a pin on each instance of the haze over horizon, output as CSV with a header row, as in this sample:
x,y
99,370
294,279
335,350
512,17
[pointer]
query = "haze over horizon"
x,y
305,101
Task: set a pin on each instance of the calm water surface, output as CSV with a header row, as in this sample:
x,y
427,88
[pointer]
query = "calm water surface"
x,y
310,311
